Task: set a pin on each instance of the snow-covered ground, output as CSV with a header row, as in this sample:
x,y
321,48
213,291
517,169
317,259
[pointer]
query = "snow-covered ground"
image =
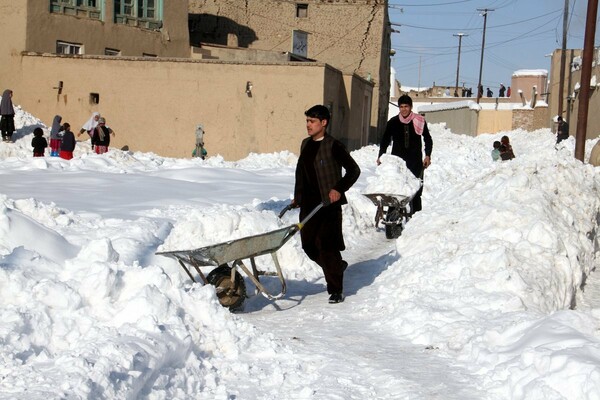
x,y
490,293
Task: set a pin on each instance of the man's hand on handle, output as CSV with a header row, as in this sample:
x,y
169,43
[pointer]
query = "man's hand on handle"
x,y
426,161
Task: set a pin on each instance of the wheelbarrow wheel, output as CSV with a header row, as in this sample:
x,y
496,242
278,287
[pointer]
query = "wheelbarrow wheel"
x,y
230,294
393,224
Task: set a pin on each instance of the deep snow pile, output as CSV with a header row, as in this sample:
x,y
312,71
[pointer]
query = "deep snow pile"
x,y
483,279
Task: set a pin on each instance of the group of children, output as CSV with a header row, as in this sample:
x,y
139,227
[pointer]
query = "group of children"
x,y
62,140
502,150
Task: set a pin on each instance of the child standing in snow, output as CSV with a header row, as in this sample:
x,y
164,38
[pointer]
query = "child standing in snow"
x,y
101,136
496,151
68,142
38,142
508,154
55,136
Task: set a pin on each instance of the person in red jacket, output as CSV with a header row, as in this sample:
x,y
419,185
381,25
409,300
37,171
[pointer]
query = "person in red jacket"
x,y
68,142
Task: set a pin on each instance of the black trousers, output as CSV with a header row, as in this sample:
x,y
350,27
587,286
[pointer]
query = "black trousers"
x,y
322,241
7,125
418,171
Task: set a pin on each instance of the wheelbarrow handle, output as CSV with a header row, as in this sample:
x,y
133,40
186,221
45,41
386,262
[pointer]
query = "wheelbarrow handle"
x,y
312,213
286,209
309,216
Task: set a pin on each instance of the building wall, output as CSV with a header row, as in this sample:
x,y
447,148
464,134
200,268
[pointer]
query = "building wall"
x,y
526,83
493,121
571,96
530,119
461,120
350,36
155,104
44,28
13,24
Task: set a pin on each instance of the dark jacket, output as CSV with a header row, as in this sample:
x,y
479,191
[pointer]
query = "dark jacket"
x,y
68,141
98,140
331,157
39,144
562,132
407,144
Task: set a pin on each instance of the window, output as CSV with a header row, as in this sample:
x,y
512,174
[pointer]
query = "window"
x,y
79,8
112,52
301,10
142,13
68,48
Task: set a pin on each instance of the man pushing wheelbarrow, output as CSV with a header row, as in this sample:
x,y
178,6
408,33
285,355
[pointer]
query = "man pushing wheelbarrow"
x,y
319,192
319,180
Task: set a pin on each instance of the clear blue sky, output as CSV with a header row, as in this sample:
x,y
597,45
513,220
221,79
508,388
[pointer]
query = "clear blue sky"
x,y
519,35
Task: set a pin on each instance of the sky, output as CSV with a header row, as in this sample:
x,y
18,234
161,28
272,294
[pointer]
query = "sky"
x,y
479,298
520,34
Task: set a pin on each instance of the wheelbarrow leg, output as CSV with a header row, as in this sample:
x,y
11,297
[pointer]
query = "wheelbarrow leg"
x,y
194,264
259,286
198,270
255,273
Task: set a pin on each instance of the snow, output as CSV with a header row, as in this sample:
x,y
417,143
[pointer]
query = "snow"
x,y
530,72
407,89
491,292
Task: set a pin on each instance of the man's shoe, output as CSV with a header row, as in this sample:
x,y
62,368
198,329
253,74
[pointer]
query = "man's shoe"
x,y
336,298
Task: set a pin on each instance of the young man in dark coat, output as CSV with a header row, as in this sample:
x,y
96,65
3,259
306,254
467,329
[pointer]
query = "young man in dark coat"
x,y
408,131
319,179
562,130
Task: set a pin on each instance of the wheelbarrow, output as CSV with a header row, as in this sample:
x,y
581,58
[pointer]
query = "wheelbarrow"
x,y
227,257
392,210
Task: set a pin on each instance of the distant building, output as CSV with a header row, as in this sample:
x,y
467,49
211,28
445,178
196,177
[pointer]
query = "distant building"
x,y
570,94
352,36
134,62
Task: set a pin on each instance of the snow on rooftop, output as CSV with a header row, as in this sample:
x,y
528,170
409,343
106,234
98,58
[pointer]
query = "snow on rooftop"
x,y
530,72
407,89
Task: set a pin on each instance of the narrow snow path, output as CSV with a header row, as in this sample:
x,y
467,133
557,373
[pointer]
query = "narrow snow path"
x,y
383,365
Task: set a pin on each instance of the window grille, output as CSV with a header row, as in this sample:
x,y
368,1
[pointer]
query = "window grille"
x,y
141,13
79,8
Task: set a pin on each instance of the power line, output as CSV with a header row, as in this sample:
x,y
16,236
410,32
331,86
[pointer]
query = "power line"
x,y
431,5
474,29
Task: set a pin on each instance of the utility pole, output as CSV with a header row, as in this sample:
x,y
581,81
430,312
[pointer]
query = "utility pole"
x,y
586,76
563,56
569,98
460,36
419,84
485,11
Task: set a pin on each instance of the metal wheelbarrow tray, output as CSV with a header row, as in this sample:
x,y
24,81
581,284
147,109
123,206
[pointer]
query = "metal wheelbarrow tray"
x,y
228,256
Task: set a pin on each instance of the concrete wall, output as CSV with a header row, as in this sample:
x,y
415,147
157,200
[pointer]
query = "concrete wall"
x,y
472,122
45,28
353,37
155,104
530,119
461,120
492,121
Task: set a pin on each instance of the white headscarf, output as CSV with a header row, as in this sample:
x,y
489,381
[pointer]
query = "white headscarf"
x,y
91,123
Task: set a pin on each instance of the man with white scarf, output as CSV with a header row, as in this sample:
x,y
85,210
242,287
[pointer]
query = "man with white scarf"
x,y
408,131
